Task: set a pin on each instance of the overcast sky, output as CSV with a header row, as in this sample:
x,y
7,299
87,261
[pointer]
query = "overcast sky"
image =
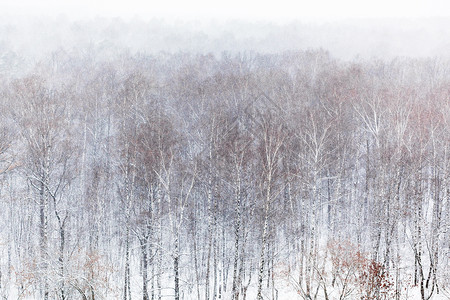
x,y
275,10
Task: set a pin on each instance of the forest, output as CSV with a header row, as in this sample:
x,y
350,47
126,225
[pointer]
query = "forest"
x,y
244,175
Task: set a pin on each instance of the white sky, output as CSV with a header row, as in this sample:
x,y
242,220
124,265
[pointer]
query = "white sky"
x,y
275,10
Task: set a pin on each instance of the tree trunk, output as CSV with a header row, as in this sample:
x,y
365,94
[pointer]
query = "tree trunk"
x,y
144,241
176,271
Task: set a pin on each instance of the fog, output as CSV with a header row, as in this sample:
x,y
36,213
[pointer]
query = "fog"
x,y
27,40
350,29
280,11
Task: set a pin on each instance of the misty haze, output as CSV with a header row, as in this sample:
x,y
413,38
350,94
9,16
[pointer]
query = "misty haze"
x,y
225,153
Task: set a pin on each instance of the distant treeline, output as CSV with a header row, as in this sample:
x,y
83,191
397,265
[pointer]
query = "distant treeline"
x,y
25,41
